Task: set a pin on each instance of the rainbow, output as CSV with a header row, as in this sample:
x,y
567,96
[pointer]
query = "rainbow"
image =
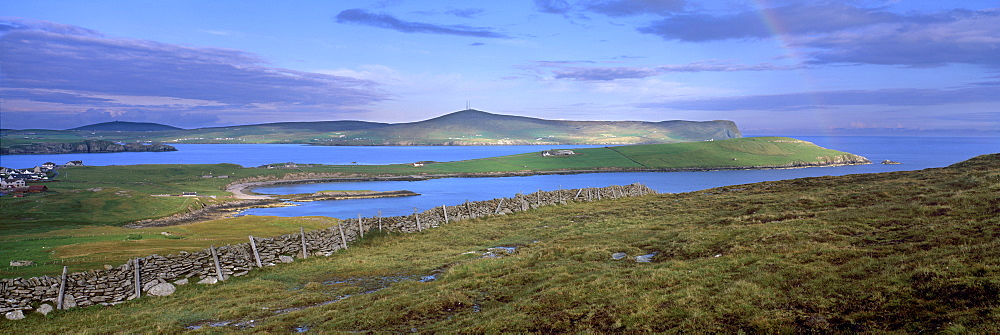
x,y
782,35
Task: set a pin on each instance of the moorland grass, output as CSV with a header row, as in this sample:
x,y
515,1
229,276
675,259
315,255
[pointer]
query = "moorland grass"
x,y
894,252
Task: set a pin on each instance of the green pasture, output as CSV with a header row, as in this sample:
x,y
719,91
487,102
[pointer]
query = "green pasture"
x,y
91,247
739,152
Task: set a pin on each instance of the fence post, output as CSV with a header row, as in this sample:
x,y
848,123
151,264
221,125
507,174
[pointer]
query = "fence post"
x,y
361,228
138,280
302,233
380,221
218,268
498,206
469,209
343,240
417,218
256,255
62,290
445,209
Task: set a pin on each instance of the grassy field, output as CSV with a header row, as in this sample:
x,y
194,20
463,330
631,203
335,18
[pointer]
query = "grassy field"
x,y
739,152
102,198
115,195
900,252
91,247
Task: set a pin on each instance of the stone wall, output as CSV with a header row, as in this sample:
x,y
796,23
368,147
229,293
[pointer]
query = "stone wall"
x,y
157,274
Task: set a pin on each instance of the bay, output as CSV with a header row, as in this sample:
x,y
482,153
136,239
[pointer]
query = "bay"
x,y
250,155
914,152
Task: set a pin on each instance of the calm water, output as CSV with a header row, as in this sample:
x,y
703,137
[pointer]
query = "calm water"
x,y
250,155
914,152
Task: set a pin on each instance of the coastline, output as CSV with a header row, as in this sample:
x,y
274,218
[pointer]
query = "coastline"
x,y
243,190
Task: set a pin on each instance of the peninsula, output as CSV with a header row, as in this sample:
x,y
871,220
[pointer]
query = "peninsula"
x,y
747,153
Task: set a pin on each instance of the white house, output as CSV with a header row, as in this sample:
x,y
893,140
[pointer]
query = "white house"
x,y
12,183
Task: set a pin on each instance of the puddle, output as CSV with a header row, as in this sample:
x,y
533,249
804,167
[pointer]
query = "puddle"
x,y
646,258
499,252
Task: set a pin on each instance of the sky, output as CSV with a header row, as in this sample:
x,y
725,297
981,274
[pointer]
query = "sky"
x,y
772,66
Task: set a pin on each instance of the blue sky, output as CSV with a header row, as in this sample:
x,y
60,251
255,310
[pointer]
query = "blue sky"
x,y
772,66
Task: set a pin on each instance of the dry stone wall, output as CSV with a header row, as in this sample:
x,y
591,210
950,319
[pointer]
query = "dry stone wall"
x,y
157,275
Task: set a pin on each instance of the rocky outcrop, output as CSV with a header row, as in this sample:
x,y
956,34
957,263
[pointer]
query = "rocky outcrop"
x,y
845,159
88,146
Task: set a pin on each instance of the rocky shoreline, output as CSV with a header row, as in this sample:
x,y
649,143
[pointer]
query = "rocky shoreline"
x,y
88,146
229,209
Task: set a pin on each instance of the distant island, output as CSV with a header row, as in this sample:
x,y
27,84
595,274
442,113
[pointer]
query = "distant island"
x,y
88,146
465,127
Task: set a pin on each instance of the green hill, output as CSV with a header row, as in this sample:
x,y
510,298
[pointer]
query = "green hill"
x,y
900,252
473,127
467,127
737,153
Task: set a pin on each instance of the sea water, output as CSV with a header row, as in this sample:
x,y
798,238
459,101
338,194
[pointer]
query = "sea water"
x,y
252,155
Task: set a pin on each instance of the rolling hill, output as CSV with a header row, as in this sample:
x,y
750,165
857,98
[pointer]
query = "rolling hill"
x,y
473,127
466,127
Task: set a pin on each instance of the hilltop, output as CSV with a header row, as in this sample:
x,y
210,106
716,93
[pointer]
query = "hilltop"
x,y
126,126
466,127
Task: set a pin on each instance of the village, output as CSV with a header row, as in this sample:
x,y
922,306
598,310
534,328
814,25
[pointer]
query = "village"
x,y
15,181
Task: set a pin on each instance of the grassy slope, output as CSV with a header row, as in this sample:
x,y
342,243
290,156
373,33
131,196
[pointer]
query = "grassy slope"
x,y
747,151
114,195
904,251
